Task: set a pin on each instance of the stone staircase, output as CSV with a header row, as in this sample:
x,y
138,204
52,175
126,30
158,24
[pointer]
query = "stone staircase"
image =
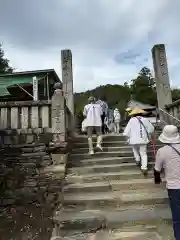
x,y
107,197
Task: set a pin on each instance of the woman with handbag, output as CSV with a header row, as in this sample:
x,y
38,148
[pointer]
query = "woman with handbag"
x,y
138,131
168,157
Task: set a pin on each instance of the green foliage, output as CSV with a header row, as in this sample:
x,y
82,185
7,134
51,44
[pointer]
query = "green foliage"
x,y
4,63
142,89
115,95
175,94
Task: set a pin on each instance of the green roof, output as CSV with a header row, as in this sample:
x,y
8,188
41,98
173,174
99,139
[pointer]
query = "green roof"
x,y
20,78
6,82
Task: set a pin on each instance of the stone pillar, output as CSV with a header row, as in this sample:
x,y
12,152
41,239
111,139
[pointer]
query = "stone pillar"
x,y
58,116
163,89
67,79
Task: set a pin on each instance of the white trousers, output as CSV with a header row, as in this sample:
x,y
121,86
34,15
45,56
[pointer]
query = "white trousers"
x,y
116,127
140,154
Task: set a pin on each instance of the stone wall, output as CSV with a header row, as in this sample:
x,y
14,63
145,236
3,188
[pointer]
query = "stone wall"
x,y
20,173
28,185
26,130
32,169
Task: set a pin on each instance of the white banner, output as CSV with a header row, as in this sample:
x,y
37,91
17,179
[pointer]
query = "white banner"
x,y
35,89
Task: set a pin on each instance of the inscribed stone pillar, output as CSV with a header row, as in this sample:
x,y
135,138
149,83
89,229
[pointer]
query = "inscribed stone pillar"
x,y
67,79
58,116
163,88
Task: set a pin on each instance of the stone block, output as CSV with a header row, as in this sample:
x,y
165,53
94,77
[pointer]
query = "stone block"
x,y
87,223
15,139
54,169
56,238
30,139
7,140
27,149
22,138
59,158
39,148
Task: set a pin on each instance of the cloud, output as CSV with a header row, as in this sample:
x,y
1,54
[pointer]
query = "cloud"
x,y
110,40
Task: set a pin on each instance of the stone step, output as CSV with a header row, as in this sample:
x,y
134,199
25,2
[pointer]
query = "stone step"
x,y
152,231
116,198
103,161
109,136
110,148
138,232
26,145
120,217
111,185
105,168
120,153
106,144
106,138
134,173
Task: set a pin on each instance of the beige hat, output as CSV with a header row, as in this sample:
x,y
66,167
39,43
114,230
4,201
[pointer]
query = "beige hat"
x,y
136,111
128,109
170,134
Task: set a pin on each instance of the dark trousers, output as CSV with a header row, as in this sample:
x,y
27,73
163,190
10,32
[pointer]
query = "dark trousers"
x,y
103,125
174,198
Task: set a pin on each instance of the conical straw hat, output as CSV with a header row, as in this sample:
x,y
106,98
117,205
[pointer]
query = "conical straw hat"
x,y
128,109
137,111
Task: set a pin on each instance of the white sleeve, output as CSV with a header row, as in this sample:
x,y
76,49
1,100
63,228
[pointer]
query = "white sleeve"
x,y
85,111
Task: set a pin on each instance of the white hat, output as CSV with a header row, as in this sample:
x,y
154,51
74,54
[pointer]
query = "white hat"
x,y
170,134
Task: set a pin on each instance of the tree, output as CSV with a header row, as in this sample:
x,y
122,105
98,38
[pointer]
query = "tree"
x,y
175,94
143,88
146,74
116,96
4,63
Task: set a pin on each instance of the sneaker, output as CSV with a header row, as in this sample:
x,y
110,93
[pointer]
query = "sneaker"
x,y
99,147
91,152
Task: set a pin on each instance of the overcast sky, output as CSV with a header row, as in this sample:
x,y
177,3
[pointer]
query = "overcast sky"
x,y
111,40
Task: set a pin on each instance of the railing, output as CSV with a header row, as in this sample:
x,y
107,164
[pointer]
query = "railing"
x,y
35,118
24,117
171,114
174,109
167,118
